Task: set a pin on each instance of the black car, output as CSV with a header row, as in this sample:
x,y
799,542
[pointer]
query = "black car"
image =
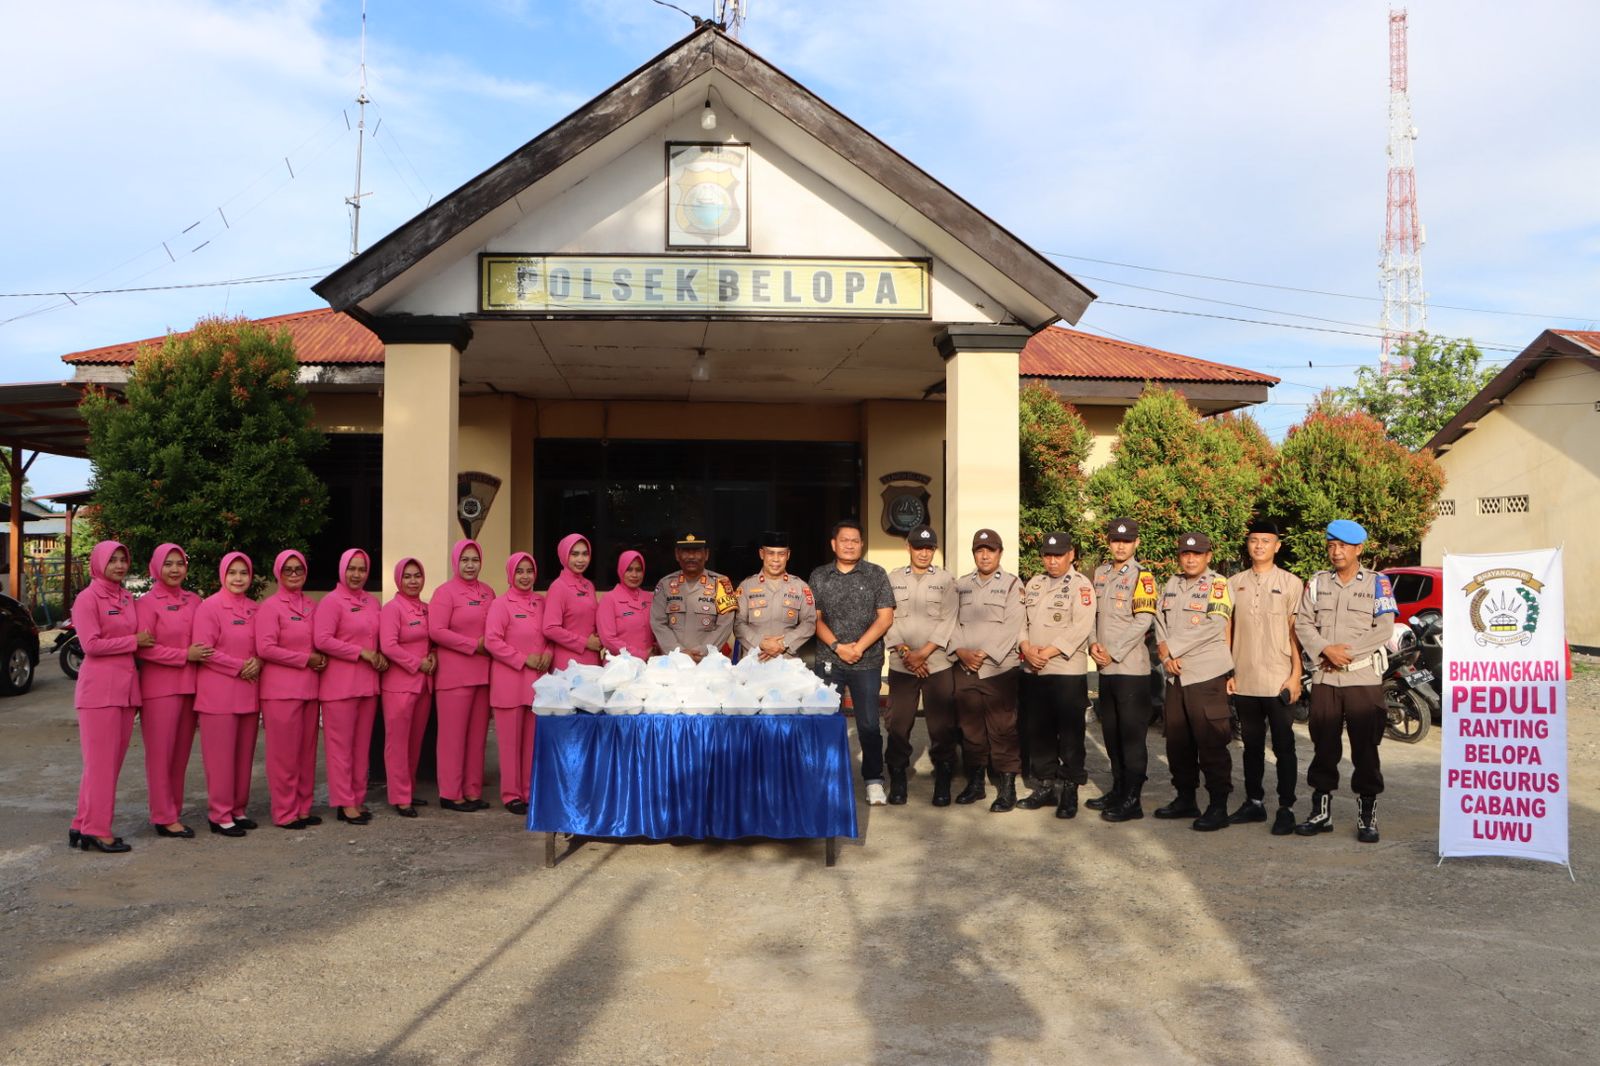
x,y
19,648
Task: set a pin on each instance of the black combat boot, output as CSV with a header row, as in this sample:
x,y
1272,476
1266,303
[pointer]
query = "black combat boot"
x,y
1214,818
1182,806
1129,810
1321,819
1367,820
1249,811
1005,794
1043,796
1108,800
942,775
1068,807
897,786
974,790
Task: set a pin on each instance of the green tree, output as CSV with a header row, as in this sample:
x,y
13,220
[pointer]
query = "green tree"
x,y
1414,404
1341,465
1055,442
209,450
1175,473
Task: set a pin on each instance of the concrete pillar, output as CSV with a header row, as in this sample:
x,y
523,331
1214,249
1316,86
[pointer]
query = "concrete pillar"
x,y
421,402
981,437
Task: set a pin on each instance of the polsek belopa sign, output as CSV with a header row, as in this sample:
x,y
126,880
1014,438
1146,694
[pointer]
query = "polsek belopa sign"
x,y
1503,757
703,285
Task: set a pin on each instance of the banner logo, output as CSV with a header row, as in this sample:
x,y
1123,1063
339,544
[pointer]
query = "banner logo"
x,y
1505,606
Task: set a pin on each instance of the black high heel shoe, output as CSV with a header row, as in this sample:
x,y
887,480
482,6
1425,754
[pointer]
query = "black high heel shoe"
x,y
360,819
405,812
457,805
89,842
234,830
73,836
246,823
311,820
183,834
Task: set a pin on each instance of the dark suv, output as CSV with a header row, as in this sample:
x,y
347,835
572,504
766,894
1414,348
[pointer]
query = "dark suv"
x,y
19,648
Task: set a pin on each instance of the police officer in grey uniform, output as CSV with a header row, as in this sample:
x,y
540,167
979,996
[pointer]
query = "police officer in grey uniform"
x,y
1192,632
920,667
1125,608
1345,616
988,626
777,613
693,608
1053,688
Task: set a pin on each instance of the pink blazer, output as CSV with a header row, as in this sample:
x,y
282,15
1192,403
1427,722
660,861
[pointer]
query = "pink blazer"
x,y
624,615
456,617
346,625
108,627
514,631
164,668
403,639
569,612
284,640
227,623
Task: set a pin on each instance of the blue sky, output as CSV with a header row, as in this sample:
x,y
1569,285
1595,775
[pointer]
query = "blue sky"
x,y
1237,140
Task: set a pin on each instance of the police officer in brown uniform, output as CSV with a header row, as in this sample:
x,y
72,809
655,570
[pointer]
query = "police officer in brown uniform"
x,y
777,613
693,608
1266,673
988,625
1053,688
1346,615
920,667
1125,608
1192,636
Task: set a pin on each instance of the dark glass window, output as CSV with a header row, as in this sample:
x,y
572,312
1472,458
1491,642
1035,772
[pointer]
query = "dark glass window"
x,y
352,468
641,495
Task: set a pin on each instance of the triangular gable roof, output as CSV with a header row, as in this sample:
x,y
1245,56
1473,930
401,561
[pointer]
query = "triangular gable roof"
x,y
705,51
1582,345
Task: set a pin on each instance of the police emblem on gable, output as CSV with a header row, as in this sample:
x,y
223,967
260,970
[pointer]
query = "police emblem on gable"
x,y
905,501
707,196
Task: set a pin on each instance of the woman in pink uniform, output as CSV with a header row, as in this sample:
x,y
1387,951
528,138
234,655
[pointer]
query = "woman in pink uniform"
x,y
226,699
289,668
107,695
407,684
570,606
166,685
624,615
456,618
346,630
514,635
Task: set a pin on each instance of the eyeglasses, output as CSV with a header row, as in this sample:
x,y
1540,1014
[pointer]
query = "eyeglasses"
x,y
293,570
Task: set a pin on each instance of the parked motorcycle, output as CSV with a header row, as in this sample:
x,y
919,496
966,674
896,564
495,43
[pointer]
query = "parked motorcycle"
x,y
69,648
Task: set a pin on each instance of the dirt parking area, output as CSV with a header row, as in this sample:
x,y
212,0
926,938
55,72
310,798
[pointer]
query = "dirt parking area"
x,y
943,936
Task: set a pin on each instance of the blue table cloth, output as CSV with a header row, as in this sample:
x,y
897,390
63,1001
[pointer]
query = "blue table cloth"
x,y
692,775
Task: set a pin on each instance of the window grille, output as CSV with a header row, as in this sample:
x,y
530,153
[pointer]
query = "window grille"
x,y
1447,508
1493,505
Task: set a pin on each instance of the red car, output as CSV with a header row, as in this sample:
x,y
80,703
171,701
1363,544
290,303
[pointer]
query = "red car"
x,y
1417,589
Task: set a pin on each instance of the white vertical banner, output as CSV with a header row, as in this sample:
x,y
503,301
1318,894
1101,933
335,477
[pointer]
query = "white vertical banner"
x,y
1503,763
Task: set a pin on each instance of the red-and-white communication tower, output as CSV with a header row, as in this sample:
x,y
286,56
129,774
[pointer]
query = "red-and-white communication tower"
x,y
1405,309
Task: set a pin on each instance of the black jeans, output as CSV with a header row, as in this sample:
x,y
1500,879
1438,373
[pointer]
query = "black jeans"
x,y
863,687
1051,709
1256,714
1124,710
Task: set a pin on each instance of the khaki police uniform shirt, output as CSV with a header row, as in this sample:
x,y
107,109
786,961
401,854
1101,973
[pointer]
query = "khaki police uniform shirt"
x,y
924,613
1059,613
1193,624
695,615
782,607
1360,614
989,619
1264,607
1125,606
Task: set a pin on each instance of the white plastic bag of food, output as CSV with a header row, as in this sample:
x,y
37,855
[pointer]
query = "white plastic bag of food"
x,y
587,695
550,695
662,701
824,699
619,670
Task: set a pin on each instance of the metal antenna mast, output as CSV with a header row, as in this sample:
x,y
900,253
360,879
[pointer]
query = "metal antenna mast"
x,y
354,200
731,14
1405,309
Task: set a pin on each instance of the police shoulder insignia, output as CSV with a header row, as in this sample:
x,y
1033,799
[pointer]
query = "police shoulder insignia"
x,y
726,600
809,600
1085,595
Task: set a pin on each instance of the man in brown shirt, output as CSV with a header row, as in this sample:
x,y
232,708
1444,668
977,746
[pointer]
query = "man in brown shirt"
x,y
1053,688
920,667
1192,637
989,621
1266,673
693,608
777,613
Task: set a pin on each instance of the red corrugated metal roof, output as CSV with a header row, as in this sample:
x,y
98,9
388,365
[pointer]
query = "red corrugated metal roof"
x,y
1058,352
1589,338
320,336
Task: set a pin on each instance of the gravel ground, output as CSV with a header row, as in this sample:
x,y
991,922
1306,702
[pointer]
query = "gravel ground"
x,y
943,936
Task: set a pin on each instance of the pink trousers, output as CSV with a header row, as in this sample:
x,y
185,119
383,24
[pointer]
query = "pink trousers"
x,y
228,750
167,725
291,757
405,719
103,734
463,731
346,743
513,731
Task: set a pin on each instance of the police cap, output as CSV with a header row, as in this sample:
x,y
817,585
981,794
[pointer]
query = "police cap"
x,y
1122,529
1347,531
693,540
1057,543
986,538
923,537
1194,542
